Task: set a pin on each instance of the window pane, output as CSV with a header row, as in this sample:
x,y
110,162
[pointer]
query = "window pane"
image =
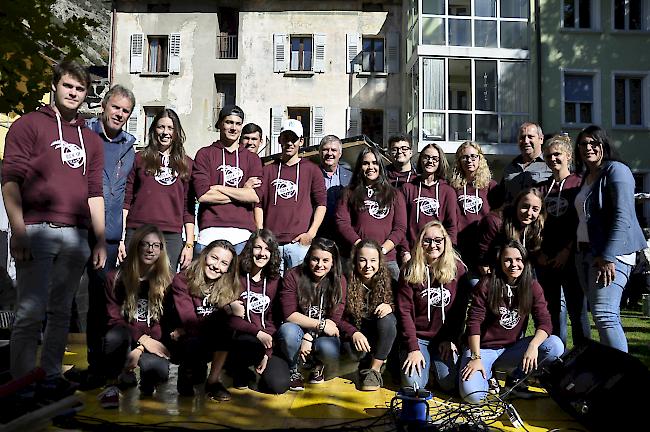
x,y
570,112
433,126
485,34
584,7
487,128
514,8
510,128
379,55
514,35
460,7
619,14
485,8
585,113
295,54
307,53
636,91
460,32
460,90
433,74
578,88
460,127
569,14
436,7
485,81
433,31
619,101
513,91
635,16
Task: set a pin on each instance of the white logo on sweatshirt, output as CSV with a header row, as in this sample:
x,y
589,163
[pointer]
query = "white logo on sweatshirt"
x,y
437,296
509,318
471,203
71,154
428,206
232,174
258,303
166,176
375,211
142,310
206,307
556,206
285,188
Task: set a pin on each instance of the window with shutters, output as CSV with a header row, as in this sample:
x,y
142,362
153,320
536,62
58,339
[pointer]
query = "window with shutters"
x,y
372,54
301,53
157,53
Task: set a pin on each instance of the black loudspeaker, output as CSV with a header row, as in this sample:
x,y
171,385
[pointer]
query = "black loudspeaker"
x,y
601,387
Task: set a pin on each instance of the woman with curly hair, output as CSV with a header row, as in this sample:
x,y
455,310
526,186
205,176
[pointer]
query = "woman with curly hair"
x,y
158,190
253,339
204,296
369,321
134,298
432,301
472,180
371,208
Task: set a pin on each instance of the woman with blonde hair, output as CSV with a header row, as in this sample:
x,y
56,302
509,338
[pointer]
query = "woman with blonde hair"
x,y
432,302
135,294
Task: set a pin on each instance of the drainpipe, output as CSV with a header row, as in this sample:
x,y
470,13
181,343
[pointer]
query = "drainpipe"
x,y
111,59
538,55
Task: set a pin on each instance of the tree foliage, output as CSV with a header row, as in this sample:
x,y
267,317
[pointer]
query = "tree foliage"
x,y
30,41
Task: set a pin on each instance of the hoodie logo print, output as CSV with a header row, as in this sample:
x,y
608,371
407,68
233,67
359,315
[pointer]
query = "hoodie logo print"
x,y
375,211
436,296
556,206
471,203
141,310
166,176
232,174
285,188
206,308
428,206
509,318
71,154
258,303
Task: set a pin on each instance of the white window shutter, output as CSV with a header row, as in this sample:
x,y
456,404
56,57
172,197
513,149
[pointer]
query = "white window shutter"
x,y
354,122
277,115
392,52
175,53
319,52
280,52
353,49
133,124
392,122
137,52
317,124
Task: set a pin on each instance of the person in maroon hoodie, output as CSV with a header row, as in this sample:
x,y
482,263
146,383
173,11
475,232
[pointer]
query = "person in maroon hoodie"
x,y
158,190
370,208
401,170
555,263
204,296
472,180
369,322
496,320
312,299
294,199
134,299
428,197
225,177
253,339
432,301
52,189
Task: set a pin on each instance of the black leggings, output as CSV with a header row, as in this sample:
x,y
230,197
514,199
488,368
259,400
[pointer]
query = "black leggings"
x,y
248,351
381,333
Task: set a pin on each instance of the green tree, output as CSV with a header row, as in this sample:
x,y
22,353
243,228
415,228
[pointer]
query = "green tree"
x,y
30,41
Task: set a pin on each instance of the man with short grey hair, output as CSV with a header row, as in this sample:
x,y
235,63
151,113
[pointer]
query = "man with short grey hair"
x,y
336,178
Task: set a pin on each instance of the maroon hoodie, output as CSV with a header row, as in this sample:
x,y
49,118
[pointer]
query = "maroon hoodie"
x,y
489,234
397,178
421,312
290,196
561,221
162,199
196,314
259,310
473,206
504,329
289,298
427,203
373,222
214,165
56,172
139,325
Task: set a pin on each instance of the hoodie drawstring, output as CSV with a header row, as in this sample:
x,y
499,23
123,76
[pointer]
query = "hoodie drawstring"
x,y
417,212
465,200
559,195
275,198
248,299
81,141
223,164
440,290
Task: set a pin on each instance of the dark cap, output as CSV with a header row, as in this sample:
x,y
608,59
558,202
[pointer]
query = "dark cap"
x,y
230,110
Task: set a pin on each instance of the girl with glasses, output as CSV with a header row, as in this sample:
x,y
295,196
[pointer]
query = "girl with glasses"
x,y
432,301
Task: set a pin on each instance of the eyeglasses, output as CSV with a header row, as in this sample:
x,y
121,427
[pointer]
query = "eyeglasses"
x,y
146,245
426,158
400,149
471,157
589,143
428,241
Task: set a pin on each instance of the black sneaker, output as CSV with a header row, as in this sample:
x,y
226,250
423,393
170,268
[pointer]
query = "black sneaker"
x,y
493,386
296,381
515,388
317,375
371,380
217,392
243,379
55,389
126,380
146,389
87,380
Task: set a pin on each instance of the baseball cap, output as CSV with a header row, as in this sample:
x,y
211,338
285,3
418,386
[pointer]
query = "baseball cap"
x,y
292,125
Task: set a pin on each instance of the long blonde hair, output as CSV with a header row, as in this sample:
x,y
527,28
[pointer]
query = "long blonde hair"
x,y
159,276
483,174
224,290
443,270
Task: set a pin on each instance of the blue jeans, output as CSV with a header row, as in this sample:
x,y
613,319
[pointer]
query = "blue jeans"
x,y
46,286
393,268
291,255
446,372
507,359
604,301
325,349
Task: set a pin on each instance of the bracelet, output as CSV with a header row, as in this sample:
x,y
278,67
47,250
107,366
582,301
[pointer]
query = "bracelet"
x,y
141,348
321,325
189,245
308,340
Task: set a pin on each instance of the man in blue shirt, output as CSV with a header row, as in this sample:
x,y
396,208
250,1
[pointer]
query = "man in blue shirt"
x,y
336,178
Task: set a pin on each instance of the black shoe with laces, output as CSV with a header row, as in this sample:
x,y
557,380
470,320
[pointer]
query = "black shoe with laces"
x,y
217,392
55,389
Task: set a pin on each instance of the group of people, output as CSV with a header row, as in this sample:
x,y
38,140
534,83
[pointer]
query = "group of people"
x,y
437,267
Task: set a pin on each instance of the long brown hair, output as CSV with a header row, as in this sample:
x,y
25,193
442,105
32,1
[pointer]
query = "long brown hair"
x,y
329,287
444,270
497,290
531,235
443,166
380,284
356,193
224,290
272,269
151,155
159,276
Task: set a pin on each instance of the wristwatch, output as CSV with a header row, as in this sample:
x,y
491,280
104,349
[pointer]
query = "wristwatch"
x,y
475,356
